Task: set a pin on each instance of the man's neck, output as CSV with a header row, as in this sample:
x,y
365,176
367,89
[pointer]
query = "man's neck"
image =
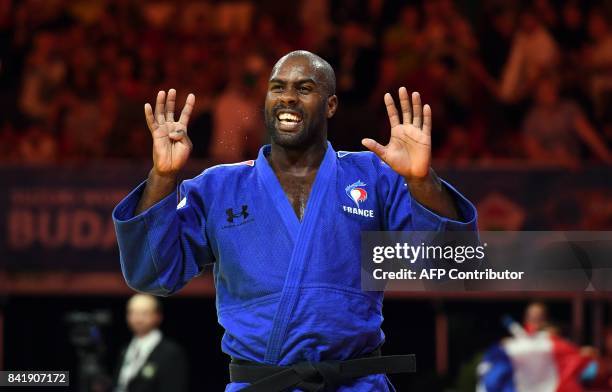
x,y
297,161
146,334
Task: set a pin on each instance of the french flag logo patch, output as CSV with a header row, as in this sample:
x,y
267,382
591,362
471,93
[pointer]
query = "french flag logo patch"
x,y
356,192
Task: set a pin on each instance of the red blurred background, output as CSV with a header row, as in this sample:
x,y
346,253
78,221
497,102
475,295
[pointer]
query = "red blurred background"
x,y
521,94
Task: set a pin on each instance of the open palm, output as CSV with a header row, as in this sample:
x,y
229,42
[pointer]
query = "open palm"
x,y
409,149
171,145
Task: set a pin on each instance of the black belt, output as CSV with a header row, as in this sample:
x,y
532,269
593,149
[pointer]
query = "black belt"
x,y
314,376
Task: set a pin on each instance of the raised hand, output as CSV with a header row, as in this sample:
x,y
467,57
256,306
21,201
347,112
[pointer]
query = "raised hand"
x,y
171,145
409,149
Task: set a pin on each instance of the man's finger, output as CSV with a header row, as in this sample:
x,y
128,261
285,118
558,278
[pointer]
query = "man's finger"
x,y
391,110
427,119
159,107
405,105
177,135
170,103
187,109
148,110
417,110
375,147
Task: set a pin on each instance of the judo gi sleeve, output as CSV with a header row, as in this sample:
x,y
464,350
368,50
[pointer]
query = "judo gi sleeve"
x,y
405,213
164,247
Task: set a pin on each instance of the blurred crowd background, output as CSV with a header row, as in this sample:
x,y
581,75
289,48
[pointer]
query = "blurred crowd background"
x,y
521,93
526,81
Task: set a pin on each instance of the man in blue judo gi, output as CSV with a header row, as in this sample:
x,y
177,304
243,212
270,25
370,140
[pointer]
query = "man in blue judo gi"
x,y
283,231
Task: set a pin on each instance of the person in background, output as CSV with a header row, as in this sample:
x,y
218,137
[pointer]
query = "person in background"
x,y
236,115
151,362
601,367
37,146
535,318
554,127
534,358
597,61
534,52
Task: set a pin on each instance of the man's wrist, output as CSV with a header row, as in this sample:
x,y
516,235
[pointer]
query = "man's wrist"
x,y
430,181
158,187
430,192
161,179
166,182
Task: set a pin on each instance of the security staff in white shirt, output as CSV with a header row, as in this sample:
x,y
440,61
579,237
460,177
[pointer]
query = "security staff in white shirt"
x,y
150,362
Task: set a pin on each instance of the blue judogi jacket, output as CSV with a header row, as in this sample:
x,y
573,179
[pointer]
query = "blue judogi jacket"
x,y
287,290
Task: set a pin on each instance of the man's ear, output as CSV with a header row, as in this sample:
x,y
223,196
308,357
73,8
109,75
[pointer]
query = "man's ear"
x,y
332,105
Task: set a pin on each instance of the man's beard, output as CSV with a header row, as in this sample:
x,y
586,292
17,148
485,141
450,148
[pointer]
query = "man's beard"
x,y
292,140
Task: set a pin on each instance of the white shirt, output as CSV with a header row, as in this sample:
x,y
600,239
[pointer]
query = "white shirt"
x,y
135,357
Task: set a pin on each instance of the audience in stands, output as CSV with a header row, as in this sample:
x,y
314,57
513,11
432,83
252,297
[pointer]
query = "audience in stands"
x,y
77,73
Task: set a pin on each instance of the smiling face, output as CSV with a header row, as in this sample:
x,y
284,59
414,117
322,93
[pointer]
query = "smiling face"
x,y
299,101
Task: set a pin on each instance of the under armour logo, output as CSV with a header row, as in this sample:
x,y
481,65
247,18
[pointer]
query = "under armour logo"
x,y
231,215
